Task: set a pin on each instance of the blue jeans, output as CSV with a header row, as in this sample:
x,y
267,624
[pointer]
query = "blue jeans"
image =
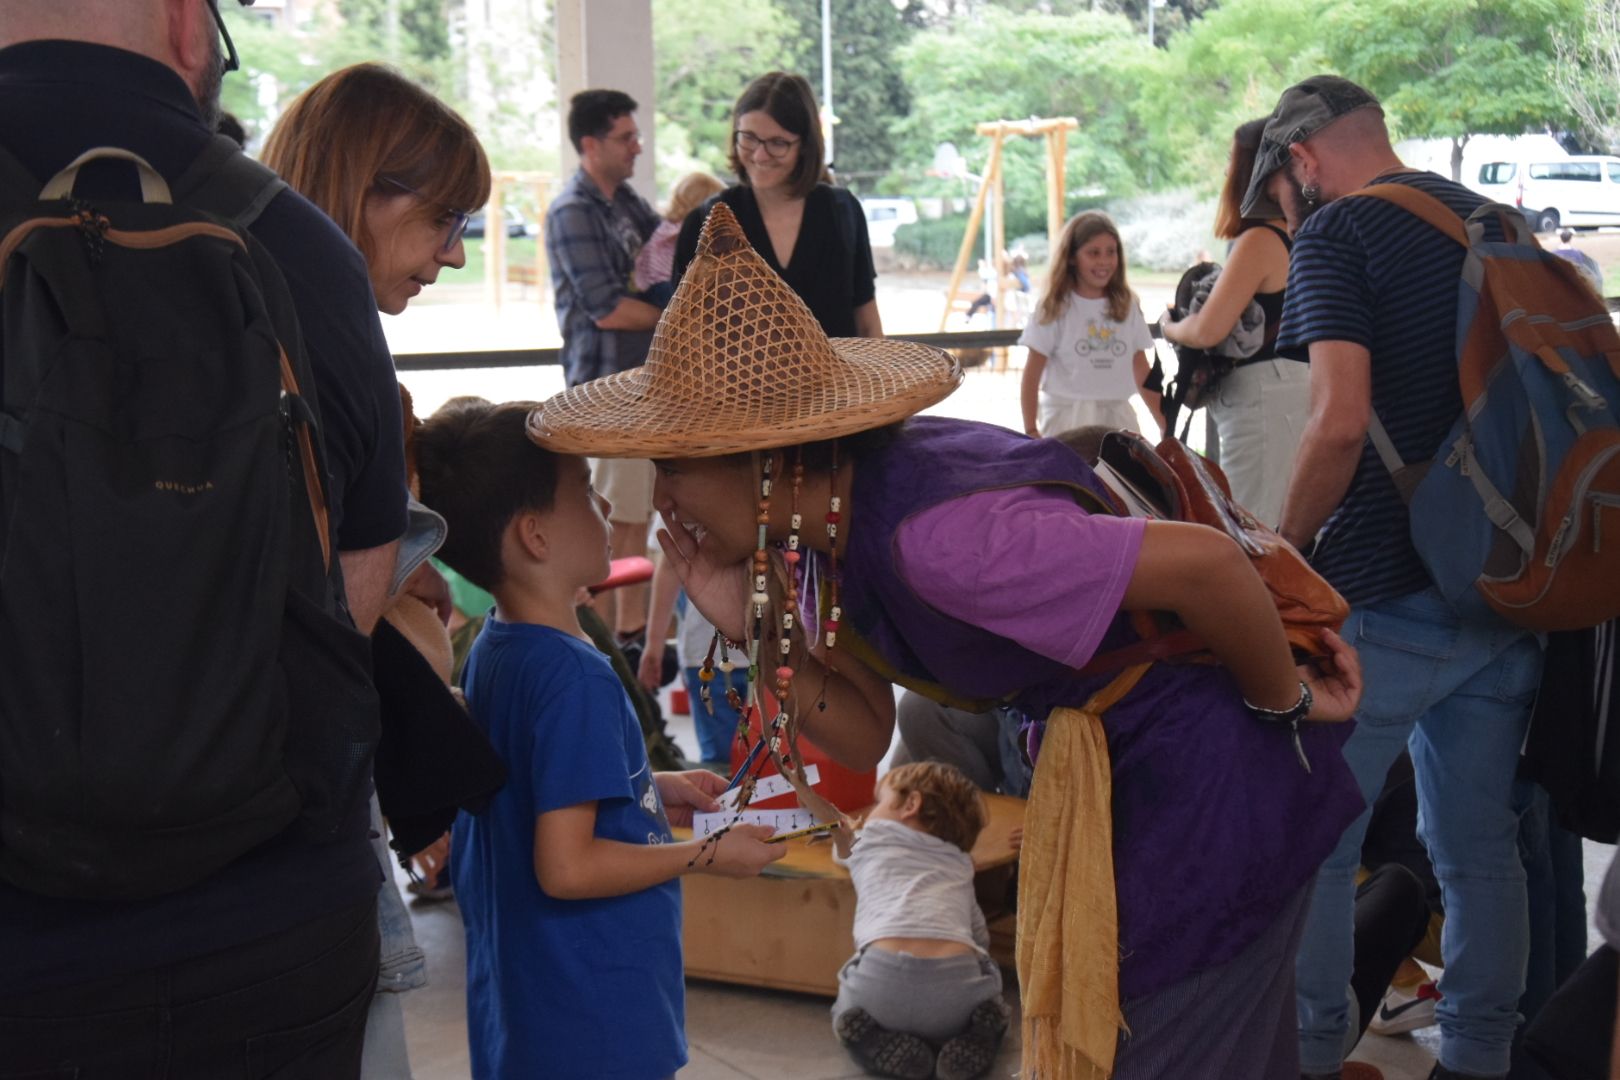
x,y
1459,695
715,733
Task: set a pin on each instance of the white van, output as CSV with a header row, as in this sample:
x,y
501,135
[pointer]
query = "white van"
x,y
1573,191
884,216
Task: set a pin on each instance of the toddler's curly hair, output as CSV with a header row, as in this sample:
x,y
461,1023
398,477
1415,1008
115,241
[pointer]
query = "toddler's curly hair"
x,y
952,808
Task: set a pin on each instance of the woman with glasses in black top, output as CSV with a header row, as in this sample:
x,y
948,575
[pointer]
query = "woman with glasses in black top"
x,y
811,233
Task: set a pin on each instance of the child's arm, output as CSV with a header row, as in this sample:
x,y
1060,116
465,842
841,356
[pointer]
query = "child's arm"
x,y
1029,390
572,863
1141,369
665,585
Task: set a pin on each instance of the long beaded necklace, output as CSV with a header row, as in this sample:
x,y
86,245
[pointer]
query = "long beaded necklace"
x,y
786,719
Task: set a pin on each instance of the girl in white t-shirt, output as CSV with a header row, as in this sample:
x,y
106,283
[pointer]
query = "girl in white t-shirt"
x,y
1088,341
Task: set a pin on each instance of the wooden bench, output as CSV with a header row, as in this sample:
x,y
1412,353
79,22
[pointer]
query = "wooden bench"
x,y
792,927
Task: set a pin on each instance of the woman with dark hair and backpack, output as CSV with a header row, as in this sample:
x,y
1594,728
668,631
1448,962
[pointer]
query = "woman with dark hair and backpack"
x,y
811,233
1261,405
399,172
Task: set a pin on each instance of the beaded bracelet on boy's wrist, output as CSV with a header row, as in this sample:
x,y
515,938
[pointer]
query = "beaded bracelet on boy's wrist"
x,y
1289,716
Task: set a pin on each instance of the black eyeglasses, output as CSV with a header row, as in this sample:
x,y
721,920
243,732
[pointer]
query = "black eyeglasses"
x,y
748,142
458,218
233,62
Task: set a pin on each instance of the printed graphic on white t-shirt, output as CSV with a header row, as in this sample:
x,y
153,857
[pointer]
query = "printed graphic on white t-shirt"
x,y
1088,355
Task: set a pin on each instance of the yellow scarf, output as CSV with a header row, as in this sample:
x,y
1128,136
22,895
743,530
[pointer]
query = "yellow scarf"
x,y
1068,925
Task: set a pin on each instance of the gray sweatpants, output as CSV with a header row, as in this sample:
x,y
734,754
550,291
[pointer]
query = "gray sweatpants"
x,y
928,997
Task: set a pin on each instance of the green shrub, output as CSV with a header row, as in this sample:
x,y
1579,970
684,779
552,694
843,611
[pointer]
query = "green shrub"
x,y
931,243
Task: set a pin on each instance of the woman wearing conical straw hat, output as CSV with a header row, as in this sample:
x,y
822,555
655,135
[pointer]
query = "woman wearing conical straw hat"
x,y
1171,832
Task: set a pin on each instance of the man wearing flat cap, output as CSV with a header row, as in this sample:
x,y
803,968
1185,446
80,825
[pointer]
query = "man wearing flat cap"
x,y
1371,305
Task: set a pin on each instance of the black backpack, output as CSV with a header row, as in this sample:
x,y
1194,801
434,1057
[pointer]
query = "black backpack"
x,y
179,681
1573,746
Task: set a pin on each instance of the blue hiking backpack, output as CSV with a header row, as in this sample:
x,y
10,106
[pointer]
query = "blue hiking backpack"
x,y
1519,511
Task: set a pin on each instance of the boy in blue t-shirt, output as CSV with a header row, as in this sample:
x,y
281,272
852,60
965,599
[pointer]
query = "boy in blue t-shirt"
x,y
567,882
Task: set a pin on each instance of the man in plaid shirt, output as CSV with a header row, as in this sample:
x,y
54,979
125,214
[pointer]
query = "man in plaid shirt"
x,y
594,229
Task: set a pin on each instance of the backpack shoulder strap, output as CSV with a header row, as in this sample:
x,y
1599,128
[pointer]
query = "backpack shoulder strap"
x,y
17,183
1439,216
225,181
1421,205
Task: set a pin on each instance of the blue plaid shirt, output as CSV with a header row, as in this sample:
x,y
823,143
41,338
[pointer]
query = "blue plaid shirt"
x,y
591,242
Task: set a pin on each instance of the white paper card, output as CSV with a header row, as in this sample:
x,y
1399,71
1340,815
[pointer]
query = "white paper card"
x,y
768,787
779,821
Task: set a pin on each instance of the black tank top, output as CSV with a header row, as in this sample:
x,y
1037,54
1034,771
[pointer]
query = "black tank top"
x,y
1271,303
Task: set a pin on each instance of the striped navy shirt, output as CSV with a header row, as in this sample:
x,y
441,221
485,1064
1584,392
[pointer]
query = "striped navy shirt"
x,y
1365,271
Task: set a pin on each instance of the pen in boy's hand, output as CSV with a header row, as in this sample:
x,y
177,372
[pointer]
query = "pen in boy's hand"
x,y
826,826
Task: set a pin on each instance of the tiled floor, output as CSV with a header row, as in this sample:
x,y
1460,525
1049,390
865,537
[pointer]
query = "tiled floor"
x,y
738,1033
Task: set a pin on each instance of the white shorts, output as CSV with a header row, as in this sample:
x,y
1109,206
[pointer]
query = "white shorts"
x,y
1056,415
626,483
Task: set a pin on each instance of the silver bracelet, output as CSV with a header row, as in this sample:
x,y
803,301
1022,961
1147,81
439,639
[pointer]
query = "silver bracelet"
x,y
1291,715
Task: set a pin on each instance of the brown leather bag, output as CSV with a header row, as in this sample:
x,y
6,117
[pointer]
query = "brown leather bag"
x,y
1173,483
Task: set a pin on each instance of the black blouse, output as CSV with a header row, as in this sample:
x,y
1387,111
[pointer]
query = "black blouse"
x,y
831,266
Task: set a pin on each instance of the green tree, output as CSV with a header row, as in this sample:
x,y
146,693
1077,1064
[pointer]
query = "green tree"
x,y
1588,73
279,63
1169,16
702,63
1454,68
1001,66
869,93
1228,67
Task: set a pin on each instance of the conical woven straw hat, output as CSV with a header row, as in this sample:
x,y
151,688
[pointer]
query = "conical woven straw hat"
x,y
739,363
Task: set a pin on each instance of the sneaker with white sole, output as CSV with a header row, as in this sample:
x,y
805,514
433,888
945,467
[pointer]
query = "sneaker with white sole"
x,y
1402,1011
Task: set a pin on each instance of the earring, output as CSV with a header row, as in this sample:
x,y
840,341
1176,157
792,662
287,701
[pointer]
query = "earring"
x,y
1311,193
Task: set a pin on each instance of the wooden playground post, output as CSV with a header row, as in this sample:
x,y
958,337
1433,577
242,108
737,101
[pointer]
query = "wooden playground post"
x,y
992,169
496,270
1055,132
495,240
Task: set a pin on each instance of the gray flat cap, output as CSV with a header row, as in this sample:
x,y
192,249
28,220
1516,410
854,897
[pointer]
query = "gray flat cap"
x,y
1304,109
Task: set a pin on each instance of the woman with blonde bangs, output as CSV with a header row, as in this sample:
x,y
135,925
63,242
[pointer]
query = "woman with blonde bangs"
x,y
1260,407
396,168
1088,342
400,173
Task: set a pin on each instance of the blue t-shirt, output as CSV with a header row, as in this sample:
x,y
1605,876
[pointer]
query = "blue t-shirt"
x,y
1365,271
592,989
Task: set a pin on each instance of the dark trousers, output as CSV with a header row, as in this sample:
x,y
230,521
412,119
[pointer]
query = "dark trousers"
x,y
1571,1037
289,1006
1391,918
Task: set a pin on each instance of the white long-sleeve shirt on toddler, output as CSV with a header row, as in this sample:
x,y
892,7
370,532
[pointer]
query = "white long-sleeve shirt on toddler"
x,y
912,884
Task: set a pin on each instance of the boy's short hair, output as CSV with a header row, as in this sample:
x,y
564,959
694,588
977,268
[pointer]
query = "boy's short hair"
x,y
593,113
952,808
479,469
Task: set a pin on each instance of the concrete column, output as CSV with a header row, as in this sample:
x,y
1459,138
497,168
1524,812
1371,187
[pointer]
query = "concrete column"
x,y
607,45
